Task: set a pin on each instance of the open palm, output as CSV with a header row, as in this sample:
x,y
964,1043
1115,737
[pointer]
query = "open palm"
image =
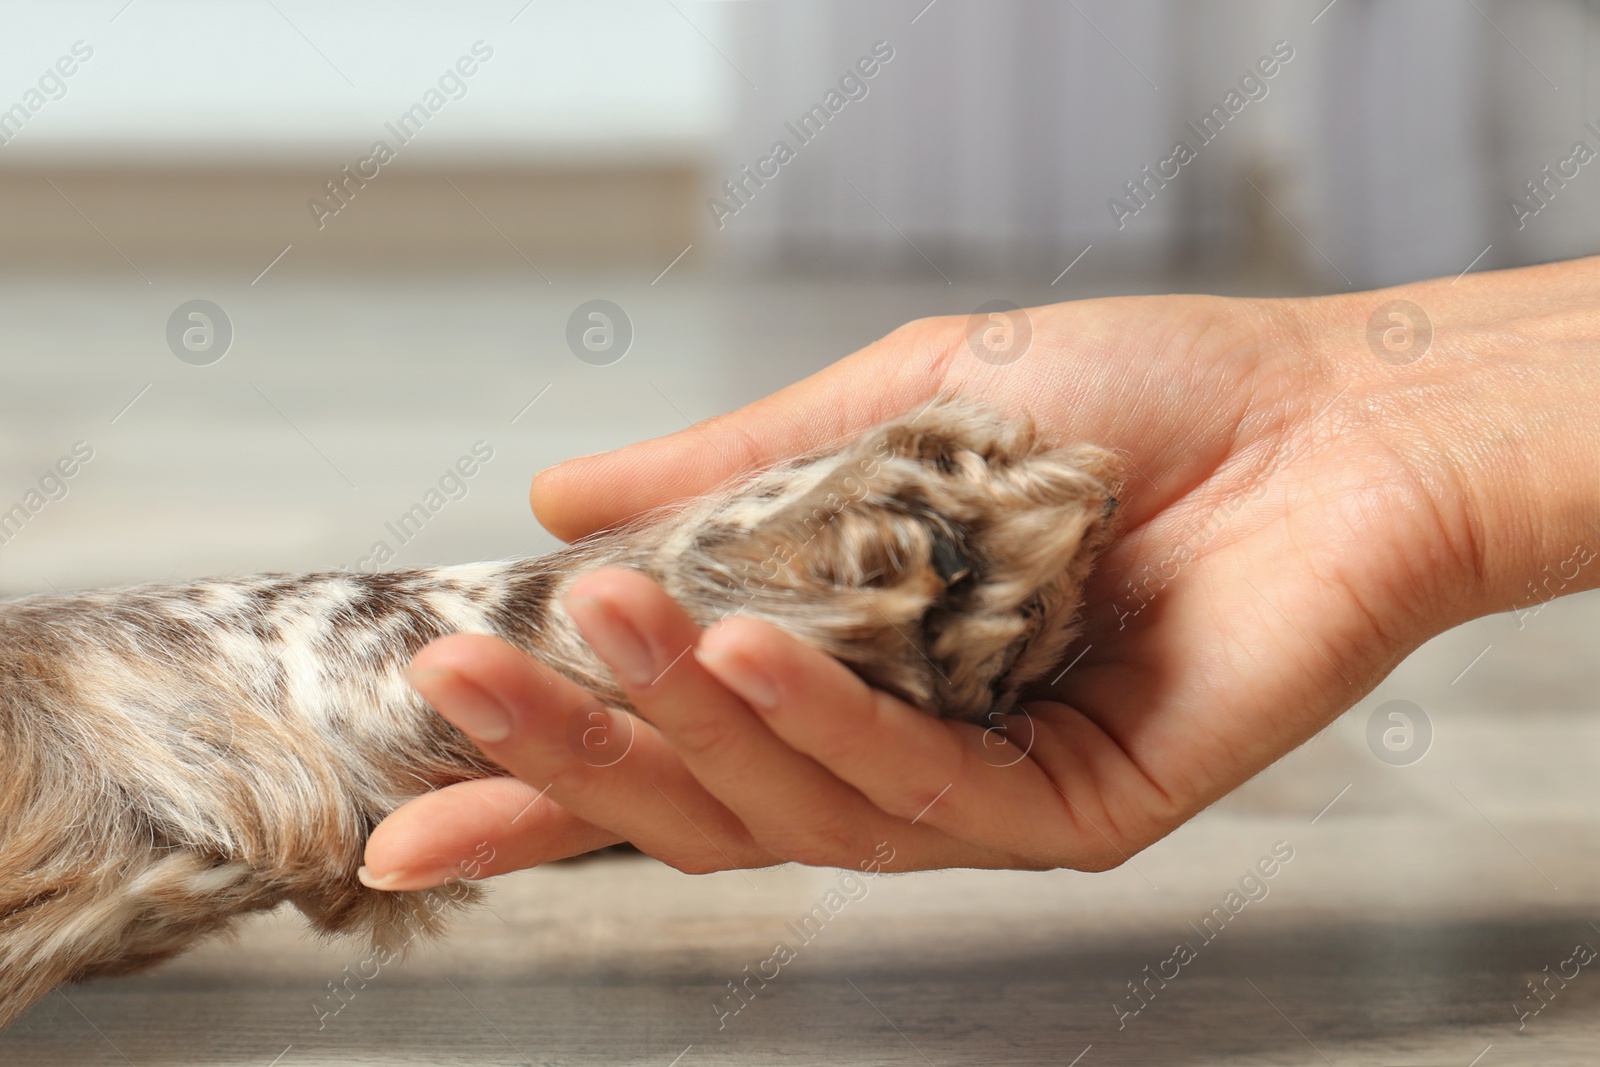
x,y
1293,524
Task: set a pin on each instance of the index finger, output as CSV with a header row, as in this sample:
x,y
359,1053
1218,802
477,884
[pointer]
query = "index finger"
x,y
888,377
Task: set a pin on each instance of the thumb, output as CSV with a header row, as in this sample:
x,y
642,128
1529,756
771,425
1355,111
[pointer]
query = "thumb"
x,y
891,376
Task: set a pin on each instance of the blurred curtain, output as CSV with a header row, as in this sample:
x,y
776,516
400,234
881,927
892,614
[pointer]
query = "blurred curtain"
x,y
1398,166
1389,149
993,138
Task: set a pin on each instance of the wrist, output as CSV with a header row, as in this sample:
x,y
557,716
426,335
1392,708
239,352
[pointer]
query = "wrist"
x,y
1484,391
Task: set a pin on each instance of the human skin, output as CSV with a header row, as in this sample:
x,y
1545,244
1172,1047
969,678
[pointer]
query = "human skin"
x,y
1299,516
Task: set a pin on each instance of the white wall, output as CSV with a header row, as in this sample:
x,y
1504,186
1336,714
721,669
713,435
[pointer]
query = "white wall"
x,y
238,80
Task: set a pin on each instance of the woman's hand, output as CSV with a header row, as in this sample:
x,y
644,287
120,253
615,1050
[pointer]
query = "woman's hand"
x,y
1300,514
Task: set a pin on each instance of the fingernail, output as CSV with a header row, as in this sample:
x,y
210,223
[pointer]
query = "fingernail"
x,y
405,881
478,714
616,640
740,675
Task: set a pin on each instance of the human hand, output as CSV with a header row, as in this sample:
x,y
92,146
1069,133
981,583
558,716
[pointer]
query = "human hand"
x,y
1300,515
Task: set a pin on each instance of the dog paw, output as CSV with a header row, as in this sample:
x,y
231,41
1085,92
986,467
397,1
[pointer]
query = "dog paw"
x,y
942,556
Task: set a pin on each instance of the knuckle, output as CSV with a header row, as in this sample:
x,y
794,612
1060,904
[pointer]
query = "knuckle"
x,y
922,350
837,747
916,802
1103,852
1094,863
1061,855
565,777
831,846
929,330
727,433
700,736
689,863
1029,861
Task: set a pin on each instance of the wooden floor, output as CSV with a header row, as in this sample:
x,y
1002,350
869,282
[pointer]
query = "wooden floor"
x,y
1419,903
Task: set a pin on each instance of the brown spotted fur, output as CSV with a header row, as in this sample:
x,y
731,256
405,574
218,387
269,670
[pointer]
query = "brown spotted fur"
x,y
176,756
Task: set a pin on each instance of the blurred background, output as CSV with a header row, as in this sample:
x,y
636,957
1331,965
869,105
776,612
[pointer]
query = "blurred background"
x,y
275,266
1389,147
398,212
